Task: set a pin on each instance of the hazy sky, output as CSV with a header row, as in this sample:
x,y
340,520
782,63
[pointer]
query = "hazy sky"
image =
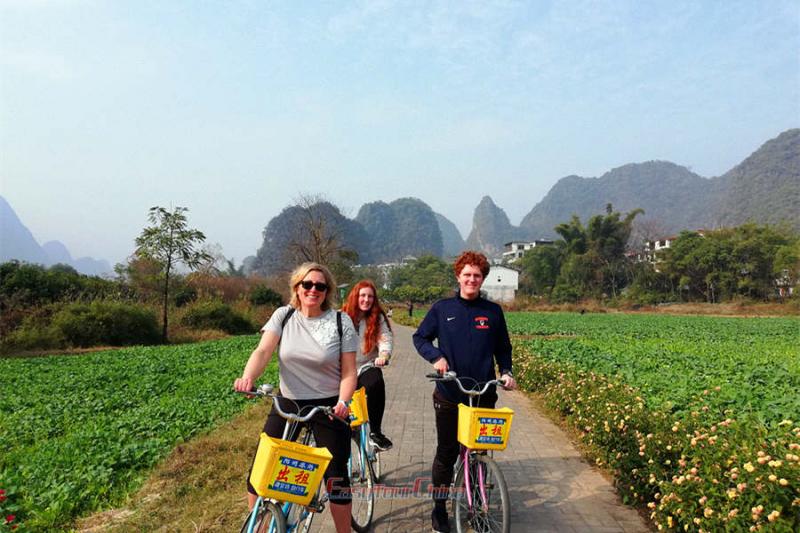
x,y
233,109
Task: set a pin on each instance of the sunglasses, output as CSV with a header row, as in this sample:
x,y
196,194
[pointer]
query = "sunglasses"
x,y
307,285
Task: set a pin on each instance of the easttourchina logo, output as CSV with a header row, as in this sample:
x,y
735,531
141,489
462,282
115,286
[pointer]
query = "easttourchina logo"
x,y
481,322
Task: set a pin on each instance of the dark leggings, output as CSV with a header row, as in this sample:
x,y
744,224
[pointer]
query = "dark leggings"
x,y
447,446
331,434
372,381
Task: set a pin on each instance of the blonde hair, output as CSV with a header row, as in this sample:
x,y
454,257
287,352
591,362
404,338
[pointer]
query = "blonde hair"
x,y
301,272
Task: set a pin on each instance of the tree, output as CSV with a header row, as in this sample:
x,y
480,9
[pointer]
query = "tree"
x,y
311,230
721,264
540,267
594,255
170,242
427,271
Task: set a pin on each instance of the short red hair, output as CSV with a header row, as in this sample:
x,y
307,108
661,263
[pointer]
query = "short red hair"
x,y
471,257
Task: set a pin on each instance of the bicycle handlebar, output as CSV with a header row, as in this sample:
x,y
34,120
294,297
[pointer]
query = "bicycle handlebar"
x,y
265,390
451,376
370,364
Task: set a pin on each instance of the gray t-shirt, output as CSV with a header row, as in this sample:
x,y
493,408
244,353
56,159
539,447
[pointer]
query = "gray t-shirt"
x,y
383,347
308,356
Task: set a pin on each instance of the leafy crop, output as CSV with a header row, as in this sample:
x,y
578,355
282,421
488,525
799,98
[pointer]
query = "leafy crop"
x,y
696,416
79,432
754,361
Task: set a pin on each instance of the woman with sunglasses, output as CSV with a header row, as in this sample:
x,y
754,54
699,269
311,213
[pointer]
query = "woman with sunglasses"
x,y
316,367
374,344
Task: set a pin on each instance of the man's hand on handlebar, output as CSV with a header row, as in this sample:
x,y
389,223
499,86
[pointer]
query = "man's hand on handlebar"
x,y
508,382
441,365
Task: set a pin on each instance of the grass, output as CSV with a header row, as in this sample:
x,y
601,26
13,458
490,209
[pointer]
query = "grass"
x,y
200,486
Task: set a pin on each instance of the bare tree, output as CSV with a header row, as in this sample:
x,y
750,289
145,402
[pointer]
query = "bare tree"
x,y
646,229
315,238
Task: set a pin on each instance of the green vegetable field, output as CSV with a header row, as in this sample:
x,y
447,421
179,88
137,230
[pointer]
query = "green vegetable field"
x,y
698,418
754,361
79,431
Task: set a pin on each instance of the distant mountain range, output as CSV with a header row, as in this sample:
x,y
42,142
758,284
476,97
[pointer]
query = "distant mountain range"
x,y
764,188
17,242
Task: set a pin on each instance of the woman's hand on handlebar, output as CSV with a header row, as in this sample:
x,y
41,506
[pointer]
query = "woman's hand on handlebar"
x,y
243,384
381,361
341,410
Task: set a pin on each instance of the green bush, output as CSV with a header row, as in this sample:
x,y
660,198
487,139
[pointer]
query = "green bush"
x,y
263,295
185,295
702,470
564,293
30,337
106,323
216,315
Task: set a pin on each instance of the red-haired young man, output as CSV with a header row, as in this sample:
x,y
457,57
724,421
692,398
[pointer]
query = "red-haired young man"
x,y
471,337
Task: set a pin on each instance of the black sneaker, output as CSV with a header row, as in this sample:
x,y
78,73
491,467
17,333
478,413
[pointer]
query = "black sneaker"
x,y
380,441
439,521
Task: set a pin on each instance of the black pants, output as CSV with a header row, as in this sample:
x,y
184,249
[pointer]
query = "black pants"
x,y
447,446
331,434
372,381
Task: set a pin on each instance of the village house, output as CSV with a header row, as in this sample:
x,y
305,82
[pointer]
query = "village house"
x,y
516,249
501,284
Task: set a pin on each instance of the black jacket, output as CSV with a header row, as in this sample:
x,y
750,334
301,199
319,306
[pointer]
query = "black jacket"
x,y
471,335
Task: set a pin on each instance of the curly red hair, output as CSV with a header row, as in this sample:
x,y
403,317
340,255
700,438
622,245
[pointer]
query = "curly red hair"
x,y
372,317
471,257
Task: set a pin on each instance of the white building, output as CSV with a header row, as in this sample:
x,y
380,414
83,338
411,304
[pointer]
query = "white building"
x,y
501,284
516,249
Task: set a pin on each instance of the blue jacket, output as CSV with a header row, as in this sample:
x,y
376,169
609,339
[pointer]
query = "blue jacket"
x,y
471,335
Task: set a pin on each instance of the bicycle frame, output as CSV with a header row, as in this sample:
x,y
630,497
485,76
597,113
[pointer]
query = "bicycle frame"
x,y
466,462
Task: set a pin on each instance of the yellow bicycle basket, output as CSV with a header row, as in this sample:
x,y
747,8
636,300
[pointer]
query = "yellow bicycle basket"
x,y
358,408
288,471
484,429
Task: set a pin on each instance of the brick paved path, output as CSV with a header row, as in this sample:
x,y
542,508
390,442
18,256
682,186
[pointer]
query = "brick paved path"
x,y
552,489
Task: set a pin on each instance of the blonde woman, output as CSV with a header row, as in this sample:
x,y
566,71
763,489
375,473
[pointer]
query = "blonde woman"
x,y
317,366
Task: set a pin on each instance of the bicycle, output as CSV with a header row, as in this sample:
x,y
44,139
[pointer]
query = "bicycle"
x,y
364,460
271,515
373,452
481,502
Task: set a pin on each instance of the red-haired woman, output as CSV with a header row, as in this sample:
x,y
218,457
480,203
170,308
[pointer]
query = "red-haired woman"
x,y
375,344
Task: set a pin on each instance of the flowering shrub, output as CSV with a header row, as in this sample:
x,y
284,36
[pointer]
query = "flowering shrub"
x,y
699,469
9,511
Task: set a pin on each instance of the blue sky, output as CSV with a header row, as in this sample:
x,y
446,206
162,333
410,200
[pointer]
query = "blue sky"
x,y
234,109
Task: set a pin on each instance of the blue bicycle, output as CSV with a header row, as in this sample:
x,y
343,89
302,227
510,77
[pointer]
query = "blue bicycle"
x,y
274,516
364,467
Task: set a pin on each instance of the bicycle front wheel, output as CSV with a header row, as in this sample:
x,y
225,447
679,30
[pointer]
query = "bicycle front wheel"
x,y
488,508
268,519
361,482
298,518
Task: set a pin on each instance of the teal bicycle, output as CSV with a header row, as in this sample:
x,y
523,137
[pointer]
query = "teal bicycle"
x,y
272,515
365,462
